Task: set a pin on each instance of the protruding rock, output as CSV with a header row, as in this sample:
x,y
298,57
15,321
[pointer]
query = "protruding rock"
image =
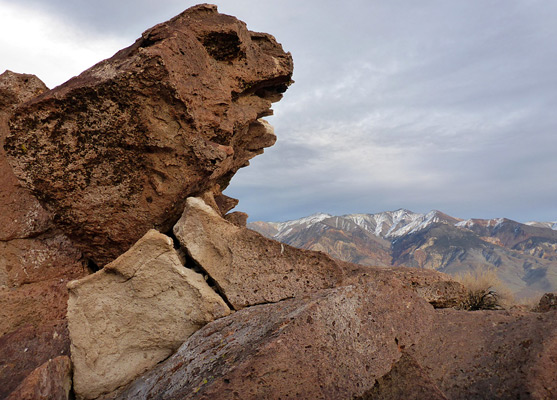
x,y
116,150
333,344
548,302
249,268
52,381
134,313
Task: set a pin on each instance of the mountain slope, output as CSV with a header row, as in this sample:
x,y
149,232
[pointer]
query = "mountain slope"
x,y
524,255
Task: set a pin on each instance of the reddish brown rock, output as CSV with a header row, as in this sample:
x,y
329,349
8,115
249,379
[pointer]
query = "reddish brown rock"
x,y
51,381
406,380
438,289
491,354
333,344
27,348
21,215
36,261
116,150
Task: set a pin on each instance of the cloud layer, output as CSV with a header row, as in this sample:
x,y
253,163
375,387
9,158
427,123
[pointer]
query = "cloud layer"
x,y
422,105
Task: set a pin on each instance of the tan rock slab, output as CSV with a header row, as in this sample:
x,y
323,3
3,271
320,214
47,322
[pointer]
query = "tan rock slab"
x,y
134,313
248,268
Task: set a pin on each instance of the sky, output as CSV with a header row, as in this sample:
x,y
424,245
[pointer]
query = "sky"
x,y
431,104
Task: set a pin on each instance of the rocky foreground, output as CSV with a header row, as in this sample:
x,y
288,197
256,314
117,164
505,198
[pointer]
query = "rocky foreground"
x,y
124,275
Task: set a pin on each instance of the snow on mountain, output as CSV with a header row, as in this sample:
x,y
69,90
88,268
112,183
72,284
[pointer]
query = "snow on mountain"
x,y
388,224
550,225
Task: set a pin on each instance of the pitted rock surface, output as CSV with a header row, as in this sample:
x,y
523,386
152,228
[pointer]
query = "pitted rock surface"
x,y
332,344
116,150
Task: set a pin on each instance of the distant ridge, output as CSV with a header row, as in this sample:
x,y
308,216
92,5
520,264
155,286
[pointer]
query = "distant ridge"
x,y
524,255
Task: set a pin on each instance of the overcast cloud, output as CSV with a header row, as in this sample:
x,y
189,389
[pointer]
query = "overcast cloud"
x,y
435,104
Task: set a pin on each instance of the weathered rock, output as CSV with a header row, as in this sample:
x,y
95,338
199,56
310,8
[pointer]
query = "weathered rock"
x,y
491,354
333,344
51,381
547,302
436,288
406,380
45,257
248,268
21,214
237,218
134,313
36,260
27,348
116,150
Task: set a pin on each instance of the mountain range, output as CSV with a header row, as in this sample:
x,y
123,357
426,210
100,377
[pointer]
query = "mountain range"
x,y
524,255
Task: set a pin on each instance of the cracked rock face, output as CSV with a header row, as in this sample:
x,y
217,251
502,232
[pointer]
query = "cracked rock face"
x,y
134,313
249,268
116,150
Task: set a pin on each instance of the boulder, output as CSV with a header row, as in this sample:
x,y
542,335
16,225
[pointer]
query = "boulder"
x,y
547,302
248,268
116,150
52,380
134,313
491,354
333,344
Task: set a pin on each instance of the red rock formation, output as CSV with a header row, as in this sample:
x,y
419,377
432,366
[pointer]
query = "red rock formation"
x,y
36,261
116,150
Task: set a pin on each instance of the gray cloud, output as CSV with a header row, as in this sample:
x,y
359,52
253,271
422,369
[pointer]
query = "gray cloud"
x,y
423,105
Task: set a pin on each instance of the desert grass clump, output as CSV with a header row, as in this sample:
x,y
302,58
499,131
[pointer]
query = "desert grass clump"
x,y
484,290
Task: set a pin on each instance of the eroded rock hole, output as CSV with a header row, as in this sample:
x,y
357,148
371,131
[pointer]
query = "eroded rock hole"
x,y
223,46
92,266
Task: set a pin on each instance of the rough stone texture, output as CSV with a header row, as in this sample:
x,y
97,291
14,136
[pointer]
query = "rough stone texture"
x,y
491,354
406,380
21,215
547,302
51,381
437,288
248,268
36,260
116,150
27,348
330,345
134,313
48,256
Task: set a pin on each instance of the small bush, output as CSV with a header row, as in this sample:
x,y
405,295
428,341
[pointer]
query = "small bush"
x,y
484,290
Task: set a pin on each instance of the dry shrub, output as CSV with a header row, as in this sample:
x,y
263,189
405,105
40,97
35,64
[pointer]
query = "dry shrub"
x,y
484,290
